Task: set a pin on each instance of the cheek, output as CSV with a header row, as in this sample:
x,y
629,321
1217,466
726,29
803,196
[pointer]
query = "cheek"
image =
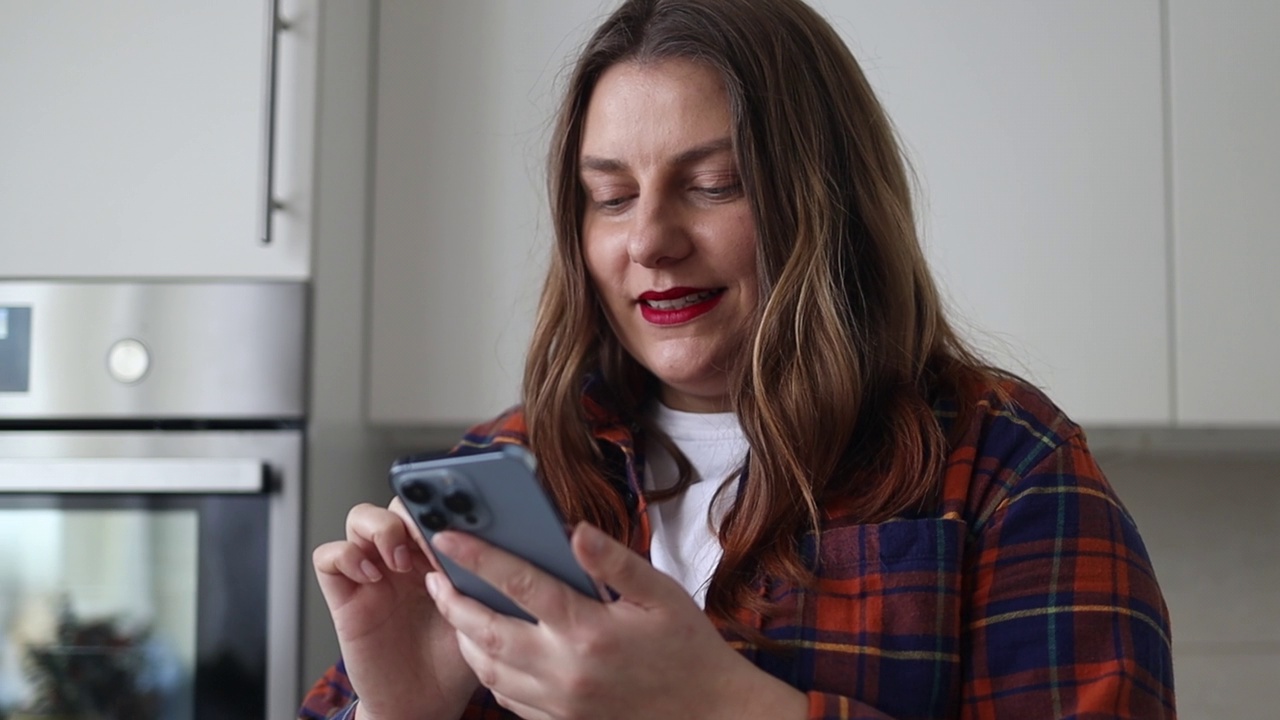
x,y
742,256
606,265
593,257
604,284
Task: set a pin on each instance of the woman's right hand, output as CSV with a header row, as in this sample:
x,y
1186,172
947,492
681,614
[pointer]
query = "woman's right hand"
x,y
400,654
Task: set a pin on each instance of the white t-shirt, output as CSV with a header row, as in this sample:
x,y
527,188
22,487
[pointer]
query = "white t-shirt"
x,y
684,544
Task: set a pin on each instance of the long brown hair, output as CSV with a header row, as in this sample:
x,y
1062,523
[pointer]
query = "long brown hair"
x,y
850,347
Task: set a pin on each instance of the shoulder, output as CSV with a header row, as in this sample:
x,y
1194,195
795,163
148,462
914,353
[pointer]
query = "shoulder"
x,y
1012,438
1010,421
508,427
1055,561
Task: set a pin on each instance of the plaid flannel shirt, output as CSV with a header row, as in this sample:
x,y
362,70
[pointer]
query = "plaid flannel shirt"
x,y
1026,593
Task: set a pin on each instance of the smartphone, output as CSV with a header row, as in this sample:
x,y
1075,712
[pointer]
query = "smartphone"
x,y
494,495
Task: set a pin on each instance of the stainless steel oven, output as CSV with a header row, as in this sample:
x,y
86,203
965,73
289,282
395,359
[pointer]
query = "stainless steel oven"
x,y
151,444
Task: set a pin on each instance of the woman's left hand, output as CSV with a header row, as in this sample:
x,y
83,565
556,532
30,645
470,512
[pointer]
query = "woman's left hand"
x,y
652,653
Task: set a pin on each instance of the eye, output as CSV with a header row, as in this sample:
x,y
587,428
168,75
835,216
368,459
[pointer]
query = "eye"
x,y
721,191
613,203
609,194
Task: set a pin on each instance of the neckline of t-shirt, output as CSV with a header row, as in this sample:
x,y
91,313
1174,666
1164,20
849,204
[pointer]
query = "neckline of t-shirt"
x,y
684,425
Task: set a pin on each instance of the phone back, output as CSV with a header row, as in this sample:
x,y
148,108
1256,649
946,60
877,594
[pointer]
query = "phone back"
x,y
494,495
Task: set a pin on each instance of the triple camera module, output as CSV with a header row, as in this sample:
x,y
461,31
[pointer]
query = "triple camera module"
x,y
442,500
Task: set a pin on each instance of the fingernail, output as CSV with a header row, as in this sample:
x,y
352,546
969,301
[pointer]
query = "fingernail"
x,y
402,559
370,571
433,584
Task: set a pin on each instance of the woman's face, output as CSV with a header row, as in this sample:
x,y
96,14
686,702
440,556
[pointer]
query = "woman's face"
x,y
668,235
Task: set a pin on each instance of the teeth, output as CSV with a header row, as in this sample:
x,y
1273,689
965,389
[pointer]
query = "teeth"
x,y
680,303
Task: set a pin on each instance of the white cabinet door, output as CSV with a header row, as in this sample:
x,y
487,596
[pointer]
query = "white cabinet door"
x,y
1036,130
466,93
1225,89
133,139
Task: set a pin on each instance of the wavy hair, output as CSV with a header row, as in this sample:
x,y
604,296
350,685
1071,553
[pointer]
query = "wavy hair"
x,y
850,346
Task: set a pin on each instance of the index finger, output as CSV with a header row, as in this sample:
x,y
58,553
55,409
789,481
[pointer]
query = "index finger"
x,y
413,531
535,591
375,530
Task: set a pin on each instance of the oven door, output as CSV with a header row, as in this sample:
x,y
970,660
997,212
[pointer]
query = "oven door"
x,y
149,574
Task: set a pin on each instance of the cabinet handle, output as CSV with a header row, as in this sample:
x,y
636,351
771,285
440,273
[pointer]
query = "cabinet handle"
x,y
275,26
132,475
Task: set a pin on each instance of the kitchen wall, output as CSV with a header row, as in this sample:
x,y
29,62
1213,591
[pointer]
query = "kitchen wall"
x,y
343,461
1207,503
347,460
1211,520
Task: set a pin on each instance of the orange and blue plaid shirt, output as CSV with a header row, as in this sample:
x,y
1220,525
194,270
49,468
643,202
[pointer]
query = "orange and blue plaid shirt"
x,y
1026,593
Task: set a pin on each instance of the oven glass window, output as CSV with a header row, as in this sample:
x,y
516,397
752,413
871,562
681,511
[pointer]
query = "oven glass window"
x,y
98,613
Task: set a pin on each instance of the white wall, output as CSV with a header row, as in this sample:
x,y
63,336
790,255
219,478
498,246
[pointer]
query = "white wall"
x,y
343,466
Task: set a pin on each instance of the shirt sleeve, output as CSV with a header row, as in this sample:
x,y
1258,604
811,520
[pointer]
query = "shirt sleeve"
x,y
1063,616
330,698
827,705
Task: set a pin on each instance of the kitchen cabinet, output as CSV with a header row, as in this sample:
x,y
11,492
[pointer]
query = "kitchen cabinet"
x,y
1225,111
1036,130
156,139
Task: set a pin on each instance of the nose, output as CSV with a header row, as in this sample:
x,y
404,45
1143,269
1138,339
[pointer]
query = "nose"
x,y
658,237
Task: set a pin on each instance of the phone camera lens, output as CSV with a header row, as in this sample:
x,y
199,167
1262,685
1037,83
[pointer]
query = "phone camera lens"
x,y
434,520
458,502
417,492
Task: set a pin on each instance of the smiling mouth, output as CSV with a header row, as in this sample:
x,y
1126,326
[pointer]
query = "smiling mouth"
x,y
681,303
678,306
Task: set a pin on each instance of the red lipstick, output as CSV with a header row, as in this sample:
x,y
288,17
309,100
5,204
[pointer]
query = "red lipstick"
x,y
678,305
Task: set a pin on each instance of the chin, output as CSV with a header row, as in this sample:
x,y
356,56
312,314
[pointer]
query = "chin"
x,y
704,392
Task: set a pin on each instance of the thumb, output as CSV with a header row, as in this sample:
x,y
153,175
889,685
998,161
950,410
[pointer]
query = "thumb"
x,y
617,566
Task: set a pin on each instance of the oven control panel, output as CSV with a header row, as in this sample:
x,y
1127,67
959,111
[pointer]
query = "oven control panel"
x,y
98,350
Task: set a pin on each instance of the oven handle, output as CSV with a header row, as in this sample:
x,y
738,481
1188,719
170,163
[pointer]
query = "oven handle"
x,y
132,475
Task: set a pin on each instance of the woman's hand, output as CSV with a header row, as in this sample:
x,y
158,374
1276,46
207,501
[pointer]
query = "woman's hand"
x,y
401,656
653,653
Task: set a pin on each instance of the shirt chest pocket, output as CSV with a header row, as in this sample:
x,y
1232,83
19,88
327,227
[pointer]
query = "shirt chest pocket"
x,y
882,622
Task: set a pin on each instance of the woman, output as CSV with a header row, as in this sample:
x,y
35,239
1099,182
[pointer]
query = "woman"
x,y
810,497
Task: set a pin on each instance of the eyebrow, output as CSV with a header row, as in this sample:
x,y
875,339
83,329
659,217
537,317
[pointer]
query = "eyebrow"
x,y
688,157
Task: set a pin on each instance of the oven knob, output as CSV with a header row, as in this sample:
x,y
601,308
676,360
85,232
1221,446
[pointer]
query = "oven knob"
x,y
128,361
